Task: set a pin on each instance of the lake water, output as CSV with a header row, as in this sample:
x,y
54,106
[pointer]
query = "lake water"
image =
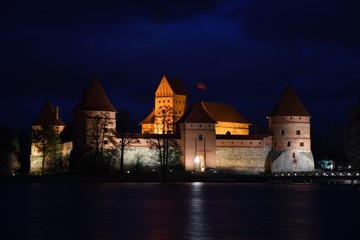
x,y
178,211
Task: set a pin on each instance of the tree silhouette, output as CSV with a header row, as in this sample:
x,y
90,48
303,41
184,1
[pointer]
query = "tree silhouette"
x,y
164,142
47,140
353,136
9,149
125,133
103,144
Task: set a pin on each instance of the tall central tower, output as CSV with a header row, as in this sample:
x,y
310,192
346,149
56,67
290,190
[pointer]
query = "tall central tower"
x,y
170,104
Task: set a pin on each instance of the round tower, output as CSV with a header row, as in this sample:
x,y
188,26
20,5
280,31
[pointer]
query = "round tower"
x,y
289,125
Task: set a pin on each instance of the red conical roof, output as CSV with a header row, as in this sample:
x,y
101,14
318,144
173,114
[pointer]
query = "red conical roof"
x,y
95,99
48,116
289,105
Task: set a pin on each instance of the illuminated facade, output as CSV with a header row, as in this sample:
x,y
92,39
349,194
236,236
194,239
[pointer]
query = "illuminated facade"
x,y
210,135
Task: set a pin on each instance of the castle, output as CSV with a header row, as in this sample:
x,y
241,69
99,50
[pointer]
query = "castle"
x,y
209,135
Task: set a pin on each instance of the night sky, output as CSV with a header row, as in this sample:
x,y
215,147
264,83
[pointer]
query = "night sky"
x,y
245,52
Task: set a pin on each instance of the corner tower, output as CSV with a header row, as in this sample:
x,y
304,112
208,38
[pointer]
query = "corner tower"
x,y
48,117
289,125
94,119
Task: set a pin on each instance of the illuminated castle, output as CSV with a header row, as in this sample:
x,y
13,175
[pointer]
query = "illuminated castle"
x,y
210,135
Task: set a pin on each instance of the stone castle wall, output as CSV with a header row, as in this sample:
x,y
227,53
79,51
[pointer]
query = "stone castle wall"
x,y
248,160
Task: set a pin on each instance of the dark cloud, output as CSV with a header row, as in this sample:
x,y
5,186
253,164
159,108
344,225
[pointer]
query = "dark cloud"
x,y
331,21
64,12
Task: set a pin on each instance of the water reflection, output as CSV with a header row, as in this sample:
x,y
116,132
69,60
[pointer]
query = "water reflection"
x,y
177,211
197,225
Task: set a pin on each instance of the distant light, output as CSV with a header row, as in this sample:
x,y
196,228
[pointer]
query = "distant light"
x,y
128,171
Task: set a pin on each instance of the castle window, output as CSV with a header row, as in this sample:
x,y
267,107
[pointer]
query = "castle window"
x,y
297,132
200,125
250,142
282,132
288,144
274,144
301,144
290,117
228,133
168,101
200,137
159,101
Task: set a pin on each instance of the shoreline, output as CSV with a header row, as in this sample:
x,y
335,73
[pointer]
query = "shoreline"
x,y
182,178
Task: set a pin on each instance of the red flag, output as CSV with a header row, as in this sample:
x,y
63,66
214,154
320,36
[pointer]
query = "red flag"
x,y
201,86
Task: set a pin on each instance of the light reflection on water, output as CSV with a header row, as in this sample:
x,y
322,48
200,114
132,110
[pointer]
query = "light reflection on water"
x,y
177,211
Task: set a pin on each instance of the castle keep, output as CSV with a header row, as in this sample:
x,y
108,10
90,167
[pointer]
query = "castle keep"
x,y
209,135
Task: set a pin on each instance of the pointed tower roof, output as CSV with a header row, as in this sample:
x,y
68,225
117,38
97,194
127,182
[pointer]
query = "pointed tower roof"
x,y
223,112
196,114
95,99
175,84
49,116
289,105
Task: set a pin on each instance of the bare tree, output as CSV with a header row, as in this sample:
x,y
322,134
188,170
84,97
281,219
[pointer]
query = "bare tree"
x,y
164,142
125,133
103,144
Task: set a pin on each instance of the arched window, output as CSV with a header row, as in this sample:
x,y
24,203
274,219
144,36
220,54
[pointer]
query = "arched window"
x,y
228,133
288,144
